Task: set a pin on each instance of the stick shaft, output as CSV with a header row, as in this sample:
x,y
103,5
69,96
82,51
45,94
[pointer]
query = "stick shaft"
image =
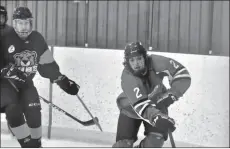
x,y
95,121
171,139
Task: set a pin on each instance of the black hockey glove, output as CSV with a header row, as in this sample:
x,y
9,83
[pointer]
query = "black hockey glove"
x,y
69,86
162,122
12,72
166,99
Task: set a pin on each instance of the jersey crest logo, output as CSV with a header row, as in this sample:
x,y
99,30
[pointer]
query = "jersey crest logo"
x,y
26,61
11,49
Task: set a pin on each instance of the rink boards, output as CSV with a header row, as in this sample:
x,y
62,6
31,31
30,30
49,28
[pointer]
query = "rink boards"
x,y
98,72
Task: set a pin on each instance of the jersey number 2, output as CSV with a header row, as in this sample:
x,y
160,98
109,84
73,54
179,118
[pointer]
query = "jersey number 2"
x,y
137,90
174,64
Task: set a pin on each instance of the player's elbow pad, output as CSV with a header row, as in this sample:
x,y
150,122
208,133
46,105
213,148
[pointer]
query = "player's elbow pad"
x,y
50,71
180,81
179,87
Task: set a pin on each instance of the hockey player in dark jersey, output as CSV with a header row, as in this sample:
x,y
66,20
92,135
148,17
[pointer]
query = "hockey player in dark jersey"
x,y
4,27
3,16
25,53
145,98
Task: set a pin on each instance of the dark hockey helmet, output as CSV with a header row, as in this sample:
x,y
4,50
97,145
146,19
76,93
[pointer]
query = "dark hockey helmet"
x,y
3,13
20,15
134,49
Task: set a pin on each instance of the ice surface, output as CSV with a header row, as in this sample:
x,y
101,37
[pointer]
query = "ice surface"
x,y
8,141
194,114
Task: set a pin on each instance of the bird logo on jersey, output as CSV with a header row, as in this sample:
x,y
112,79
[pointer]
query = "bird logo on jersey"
x,y
26,61
11,49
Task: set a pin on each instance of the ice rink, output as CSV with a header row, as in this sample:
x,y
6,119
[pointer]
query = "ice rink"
x,y
8,141
85,139
195,119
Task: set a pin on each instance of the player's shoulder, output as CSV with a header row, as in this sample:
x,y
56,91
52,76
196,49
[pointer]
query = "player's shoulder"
x,y
127,75
8,28
7,31
36,34
38,37
156,58
158,62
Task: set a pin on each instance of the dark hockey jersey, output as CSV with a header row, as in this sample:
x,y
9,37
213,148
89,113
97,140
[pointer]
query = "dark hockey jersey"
x,y
137,89
5,30
30,55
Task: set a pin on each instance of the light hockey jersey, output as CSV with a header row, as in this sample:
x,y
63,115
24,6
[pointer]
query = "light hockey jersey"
x,y
137,89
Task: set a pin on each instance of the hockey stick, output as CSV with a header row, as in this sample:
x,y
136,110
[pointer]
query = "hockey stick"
x,y
171,139
84,123
95,121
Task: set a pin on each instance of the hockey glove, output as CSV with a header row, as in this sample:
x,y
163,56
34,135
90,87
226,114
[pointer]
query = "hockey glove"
x,y
161,97
13,73
69,86
166,99
162,122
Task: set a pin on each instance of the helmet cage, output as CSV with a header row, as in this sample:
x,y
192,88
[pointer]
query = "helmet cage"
x,y
22,14
18,27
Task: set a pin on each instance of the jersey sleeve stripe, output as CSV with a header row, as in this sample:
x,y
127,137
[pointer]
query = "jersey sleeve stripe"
x,y
143,109
138,104
182,76
180,71
185,76
142,116
140,101
140,107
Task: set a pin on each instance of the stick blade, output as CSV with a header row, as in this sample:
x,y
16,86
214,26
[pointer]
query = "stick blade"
x,y
90,122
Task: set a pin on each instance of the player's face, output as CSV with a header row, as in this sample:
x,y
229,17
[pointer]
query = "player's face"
x,y
23,27
137,63
2,19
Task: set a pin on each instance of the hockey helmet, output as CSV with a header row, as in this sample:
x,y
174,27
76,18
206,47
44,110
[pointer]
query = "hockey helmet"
x,y
22,21
4,16
22,13
134,49
131,50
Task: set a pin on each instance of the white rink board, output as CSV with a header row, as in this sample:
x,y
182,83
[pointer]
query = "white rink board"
x,y
201,115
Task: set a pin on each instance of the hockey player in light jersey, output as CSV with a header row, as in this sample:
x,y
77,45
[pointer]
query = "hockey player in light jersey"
x,y
144,97
24,53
